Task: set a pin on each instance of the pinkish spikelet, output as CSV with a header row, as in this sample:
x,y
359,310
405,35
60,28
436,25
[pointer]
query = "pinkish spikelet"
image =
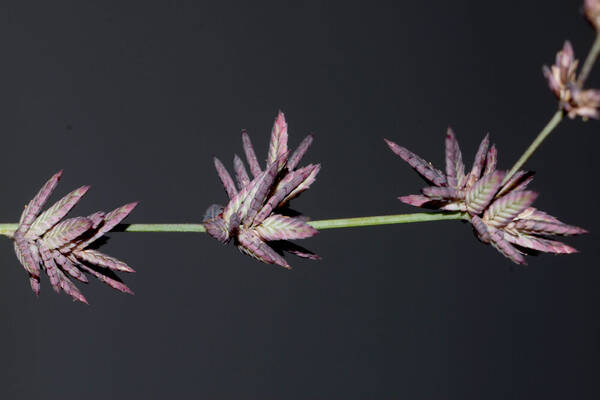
x,y
218,229
120,286
441,193
69,288
234,206
299,152
547,228
481,229
480,195
290,182
51,216
252,245
116,216
425,169
34,282
65,232
281,227
225,178
110,220
102,260
35,205
533,213
25,256
502,211
490,160
68,266
416,200
540,244
506,248
455,205
304,185
479,162
250,155
241,174
518,182
279,139
50,266
455,168
257,195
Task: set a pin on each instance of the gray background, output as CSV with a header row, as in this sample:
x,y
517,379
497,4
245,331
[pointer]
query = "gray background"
x,y
135,99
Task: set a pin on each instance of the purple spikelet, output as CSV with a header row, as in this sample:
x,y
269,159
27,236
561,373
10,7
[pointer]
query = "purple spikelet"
x,y
59,246
501,215
256,214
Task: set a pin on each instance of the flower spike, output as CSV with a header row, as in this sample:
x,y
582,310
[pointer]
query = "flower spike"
x,y
501,215
257,218
44,241
562,81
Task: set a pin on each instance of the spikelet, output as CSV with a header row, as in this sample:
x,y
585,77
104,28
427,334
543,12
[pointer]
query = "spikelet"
x,y
60,247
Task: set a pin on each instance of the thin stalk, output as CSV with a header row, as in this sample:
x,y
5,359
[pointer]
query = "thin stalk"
x,y
556,118
8,229
385,220
589,61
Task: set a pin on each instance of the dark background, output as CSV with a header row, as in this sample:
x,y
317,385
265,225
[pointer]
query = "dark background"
x,y
135,99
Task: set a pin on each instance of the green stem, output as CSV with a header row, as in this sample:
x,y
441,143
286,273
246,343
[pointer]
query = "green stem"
x,y
8,229
558,116
386,219
589,61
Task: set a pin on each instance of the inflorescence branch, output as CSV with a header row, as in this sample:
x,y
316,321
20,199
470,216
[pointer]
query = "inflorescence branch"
x,y
8,229
258,220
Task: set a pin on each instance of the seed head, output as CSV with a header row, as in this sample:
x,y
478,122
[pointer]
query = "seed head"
x,y
62,247
501,214
562,80
257,216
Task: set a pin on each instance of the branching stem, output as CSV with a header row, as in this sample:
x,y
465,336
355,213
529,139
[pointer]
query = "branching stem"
x,y
8,229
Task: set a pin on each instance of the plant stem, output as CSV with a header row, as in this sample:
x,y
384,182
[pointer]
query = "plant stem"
x,y
385,220
160,228
8,229
556,118
589,61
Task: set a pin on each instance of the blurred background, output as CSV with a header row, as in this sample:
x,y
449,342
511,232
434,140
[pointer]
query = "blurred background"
x,y
134,98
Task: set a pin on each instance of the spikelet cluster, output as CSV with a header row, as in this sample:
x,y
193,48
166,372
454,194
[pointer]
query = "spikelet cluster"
x,y
63,248
500,212
562,80
257,217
